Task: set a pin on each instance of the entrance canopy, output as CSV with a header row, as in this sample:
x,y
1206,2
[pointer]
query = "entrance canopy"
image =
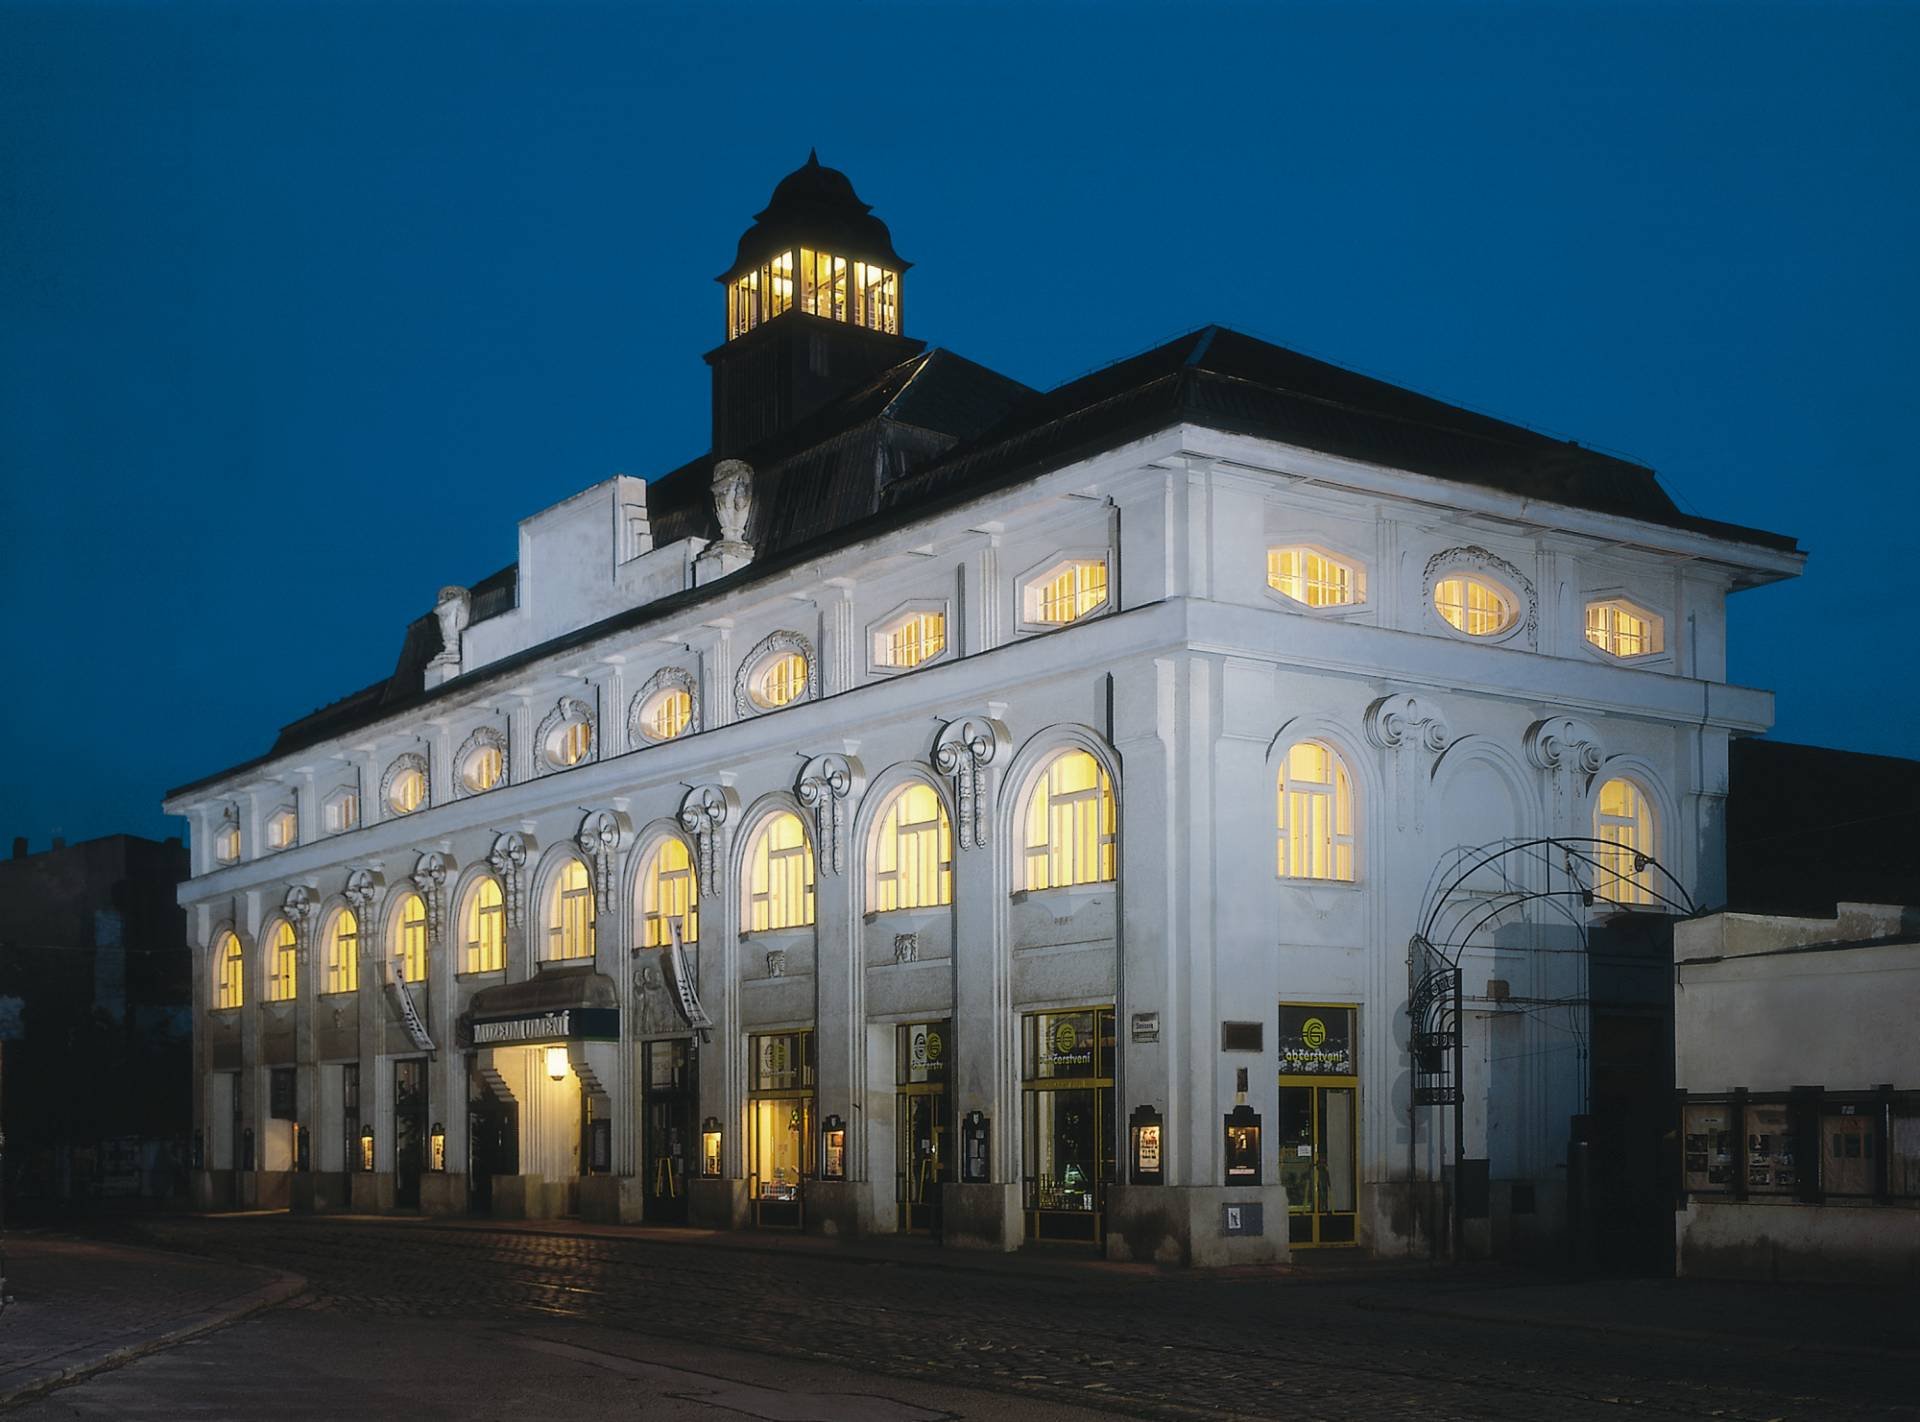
x,y
559,1005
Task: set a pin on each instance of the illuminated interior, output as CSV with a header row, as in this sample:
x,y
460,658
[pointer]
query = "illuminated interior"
x,y
571,742
667,713
485,928
912,852
1067,592
282,829
668,894
1623,629
820,284
1070,824
1315,814
1623,823
782,680
779,875
410,938
1473,605
484,769
1310,576
343,812
230,972
570,924
283,964
910,640
341,954
226,844
408,792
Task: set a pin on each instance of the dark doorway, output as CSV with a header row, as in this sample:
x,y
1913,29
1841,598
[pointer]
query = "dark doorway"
x,y
409,1130
493,1146
667,1096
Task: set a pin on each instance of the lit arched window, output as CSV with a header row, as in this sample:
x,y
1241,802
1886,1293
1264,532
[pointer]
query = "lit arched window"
x,y
229,972
283,964
408,792
1070,824
668,894
483,929
342,939
666,714
1315,814
782,680
1473,605
912,852
410,938
779,875
1623,823
570,923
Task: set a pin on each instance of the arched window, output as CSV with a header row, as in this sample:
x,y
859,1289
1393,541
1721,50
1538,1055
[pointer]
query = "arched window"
x,y
410,938
1070,824
779,875
668,894
570,920
229,971
342,952
283,964
1623,823
912,859
483,929
1475,606
1315,814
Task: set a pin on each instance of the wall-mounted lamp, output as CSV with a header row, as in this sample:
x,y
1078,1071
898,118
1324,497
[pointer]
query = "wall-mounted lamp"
x,y
833,1149
557,1063
710,1147
437,1147
366,1147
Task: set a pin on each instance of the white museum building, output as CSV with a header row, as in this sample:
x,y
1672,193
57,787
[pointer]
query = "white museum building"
x,y
951,808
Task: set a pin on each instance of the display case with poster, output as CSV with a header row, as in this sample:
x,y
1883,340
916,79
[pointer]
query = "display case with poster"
x,y
1708,1146
1769,1162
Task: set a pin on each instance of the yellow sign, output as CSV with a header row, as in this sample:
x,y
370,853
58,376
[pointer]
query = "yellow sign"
x,y
1313,1032
1065,1038
934,1046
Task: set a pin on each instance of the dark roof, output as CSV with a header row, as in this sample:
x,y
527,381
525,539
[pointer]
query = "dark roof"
x,y
1809,827
815,207
938,430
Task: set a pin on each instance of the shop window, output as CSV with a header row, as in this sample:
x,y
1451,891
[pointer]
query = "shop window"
x,y
229,972
1070,823
410,938
341,811
283,964
779,875
780,1110
283,828
1624,629
483,929
1475,606
570,924
912,858
1314,577
909,638
1623,823
668,895
1066,592
341,952
1315,814
1067,1111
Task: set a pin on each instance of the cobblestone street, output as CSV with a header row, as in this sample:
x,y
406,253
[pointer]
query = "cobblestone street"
x,y
1318,1342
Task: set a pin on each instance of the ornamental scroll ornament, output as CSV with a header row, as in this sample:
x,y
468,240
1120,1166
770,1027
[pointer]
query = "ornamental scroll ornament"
x,y
703,813
1567,749
666,679
824,786
362,885
962,751
1474,558
598,838
508,858
430,878
298,909
1407,724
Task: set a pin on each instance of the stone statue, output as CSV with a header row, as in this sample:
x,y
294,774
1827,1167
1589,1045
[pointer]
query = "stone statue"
x,y
733,498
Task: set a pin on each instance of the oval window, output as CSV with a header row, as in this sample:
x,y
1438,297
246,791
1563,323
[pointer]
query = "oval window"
x,y
1473,605
666,714
409,792
782,680
484,769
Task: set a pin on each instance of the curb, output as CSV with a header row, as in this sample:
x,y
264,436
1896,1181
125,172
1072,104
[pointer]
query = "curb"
x,y
93,1358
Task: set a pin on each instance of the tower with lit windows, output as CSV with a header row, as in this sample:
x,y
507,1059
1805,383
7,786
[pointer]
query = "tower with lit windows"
x,y
813,303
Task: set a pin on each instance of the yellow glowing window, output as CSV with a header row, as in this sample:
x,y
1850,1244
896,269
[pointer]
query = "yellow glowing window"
x,y
913,852
410,938
343,812
571,743
780,875
1070,824
667,713
1623,823
283,828
1622,629
1068,592
226,844
229,972
570,921
408,793
484,769
668,895
283,964
876,298
911,640
484,929
342,952
1317,579
823,284
1315,814
781,680
1473,606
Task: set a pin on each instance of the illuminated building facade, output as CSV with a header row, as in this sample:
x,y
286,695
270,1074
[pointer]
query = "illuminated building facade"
x,y
1041,790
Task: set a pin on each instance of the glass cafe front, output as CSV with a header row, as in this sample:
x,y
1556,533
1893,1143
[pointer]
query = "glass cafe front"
x,y
1067,1101
780,1127
1319,1120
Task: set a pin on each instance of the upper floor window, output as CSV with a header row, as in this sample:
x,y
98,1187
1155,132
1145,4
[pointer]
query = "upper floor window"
x,y
779,875
1623,823
484,766
566,736
1065,592
783,679
909,638
1070,823
1315,814
226,844
668,895
823,284
341,953
570,914
666,714
483,929
283,964
229,971
283,828
1472,605
406,790
1624,629
410,938
912,859
342,811
1314,577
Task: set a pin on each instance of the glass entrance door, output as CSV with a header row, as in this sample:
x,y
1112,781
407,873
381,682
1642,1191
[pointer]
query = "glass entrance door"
x,y
1319,1118
922,1157
780,1129
1068,1099
667,1107
409,1130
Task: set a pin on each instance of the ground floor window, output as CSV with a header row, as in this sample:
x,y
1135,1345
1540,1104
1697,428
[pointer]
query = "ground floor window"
x,y
1067,1066
1319,1119
667,1095
923,1163
1810,1145
780,1131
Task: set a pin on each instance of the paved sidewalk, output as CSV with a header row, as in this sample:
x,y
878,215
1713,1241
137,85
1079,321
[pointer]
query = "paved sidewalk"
x,y
77,1306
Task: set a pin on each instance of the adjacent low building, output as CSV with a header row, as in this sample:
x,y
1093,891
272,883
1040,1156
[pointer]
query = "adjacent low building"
x,y
946,807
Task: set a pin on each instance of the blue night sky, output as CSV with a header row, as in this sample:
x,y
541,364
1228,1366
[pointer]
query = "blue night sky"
x,y
302,306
